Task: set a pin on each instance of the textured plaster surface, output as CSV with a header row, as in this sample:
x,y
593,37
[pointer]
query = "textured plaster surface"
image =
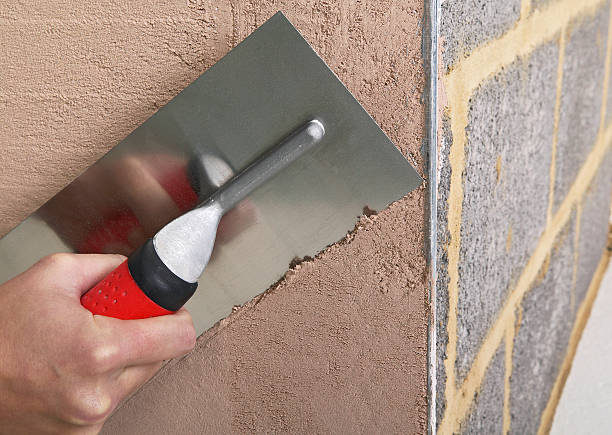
x,y
466,24
340,343
508,153
581,97
541,342
486,416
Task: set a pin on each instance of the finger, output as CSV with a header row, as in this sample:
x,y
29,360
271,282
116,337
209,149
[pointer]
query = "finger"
x,y
66,428
146,341
131,378
76,273
73,429
93,268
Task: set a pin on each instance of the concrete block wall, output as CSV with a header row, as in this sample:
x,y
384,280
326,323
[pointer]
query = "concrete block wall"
x,y
525,183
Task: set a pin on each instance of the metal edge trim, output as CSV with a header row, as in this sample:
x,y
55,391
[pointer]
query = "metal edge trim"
x,y
430,56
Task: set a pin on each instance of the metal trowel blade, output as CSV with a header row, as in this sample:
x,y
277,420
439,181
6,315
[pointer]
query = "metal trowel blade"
x,y
260,91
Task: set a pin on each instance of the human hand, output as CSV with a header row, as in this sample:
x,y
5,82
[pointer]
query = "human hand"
x,y
64,370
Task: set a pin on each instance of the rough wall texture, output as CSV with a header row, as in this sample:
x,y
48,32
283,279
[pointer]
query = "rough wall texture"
x,y
467,24
500,227
543,336
340,344
524,200
486,416
580,104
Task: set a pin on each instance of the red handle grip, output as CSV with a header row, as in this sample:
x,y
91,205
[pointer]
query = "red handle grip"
x,y
119,296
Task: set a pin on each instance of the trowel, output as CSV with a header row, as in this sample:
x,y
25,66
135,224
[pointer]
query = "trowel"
x,y
163,273
264,158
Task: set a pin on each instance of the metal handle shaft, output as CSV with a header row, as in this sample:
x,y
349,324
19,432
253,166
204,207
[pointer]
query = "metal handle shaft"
x,y
269,164
186,243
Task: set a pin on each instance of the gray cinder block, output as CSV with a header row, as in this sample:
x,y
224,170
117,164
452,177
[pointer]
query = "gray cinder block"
x,y
487,413
581,98
541,342
466,24
506,187
593,227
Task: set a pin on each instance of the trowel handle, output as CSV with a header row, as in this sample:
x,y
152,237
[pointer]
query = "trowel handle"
x,y
140,287
119,296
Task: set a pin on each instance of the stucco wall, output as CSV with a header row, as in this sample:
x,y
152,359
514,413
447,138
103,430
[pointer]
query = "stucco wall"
x,y
340,343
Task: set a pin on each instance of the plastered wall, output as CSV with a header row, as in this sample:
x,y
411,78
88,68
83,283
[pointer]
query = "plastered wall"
x,y
340,343
523,199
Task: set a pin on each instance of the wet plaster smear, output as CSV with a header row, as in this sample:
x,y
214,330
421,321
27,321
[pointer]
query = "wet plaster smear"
x,y
339,344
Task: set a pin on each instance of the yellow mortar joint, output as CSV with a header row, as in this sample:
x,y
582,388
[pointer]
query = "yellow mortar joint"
x,y
553,159
509,239
457,110
543,271
525,9
511,331
460,83
581,319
